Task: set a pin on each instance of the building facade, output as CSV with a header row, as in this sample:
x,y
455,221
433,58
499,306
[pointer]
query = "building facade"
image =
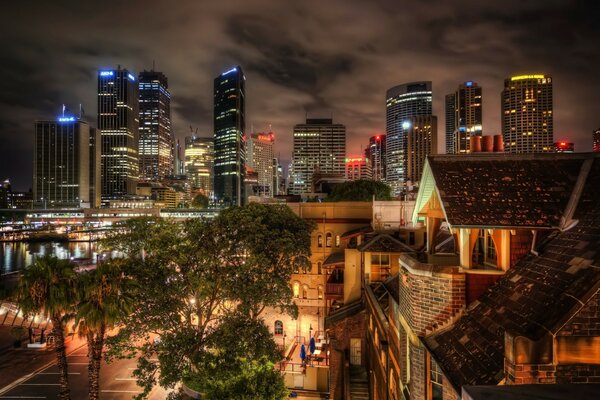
x,y
376,154
199,161
118,123
260,157
527,114
319,146
358,168
421,141
156,139
463,117
402,103
6,194
596,141
230,137
66,170
564,147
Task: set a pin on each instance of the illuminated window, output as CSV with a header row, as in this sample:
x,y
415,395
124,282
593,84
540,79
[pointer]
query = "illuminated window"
x,y
296,289
305,292
328,240
337,240
278,328
320,292
320,241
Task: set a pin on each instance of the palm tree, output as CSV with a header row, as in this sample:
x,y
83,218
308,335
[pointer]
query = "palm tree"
x,y
105,299
48,288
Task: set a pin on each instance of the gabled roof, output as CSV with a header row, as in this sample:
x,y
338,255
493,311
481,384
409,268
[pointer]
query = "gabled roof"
x,y
535,297
385,243
498,190
334,259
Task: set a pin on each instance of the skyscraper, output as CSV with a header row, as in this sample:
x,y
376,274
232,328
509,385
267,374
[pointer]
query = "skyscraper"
x,y
66,169
376,155
199,160
527,123
260,158
421,142
463,117
156,138
402,103
596,144
319,145
358,167
118,123
230,139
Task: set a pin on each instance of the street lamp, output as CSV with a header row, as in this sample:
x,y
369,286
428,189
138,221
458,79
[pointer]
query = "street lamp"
x,y
310,331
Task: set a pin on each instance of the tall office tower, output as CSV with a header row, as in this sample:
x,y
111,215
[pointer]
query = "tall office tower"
x,y
421,142
278,178
527,123
376,155
319,146
259,156
199,161
596,144
178,159
66,169
230,139
463,117
358,168
5,194
156,138
402,103
118,123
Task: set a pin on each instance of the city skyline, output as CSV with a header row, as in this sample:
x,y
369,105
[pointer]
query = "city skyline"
x,y
290,71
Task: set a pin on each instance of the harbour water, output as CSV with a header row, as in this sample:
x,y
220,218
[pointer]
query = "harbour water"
x,y
18,255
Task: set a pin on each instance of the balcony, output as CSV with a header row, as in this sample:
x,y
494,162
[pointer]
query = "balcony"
x,y
334,288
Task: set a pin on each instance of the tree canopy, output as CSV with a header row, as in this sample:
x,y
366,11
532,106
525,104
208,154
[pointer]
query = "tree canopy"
x,y
202,286
200,201
360,190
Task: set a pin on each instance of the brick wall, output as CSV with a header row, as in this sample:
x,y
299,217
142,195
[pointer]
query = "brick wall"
x,y
578,373
520,374
429,303
418,381
340,334
520,245
403,351
449,393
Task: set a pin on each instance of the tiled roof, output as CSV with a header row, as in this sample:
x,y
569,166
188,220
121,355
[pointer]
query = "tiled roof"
x,y
357,231
534,297
385,243
505,190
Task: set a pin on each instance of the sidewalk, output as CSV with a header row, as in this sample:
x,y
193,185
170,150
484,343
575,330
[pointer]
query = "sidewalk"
x,y
16,363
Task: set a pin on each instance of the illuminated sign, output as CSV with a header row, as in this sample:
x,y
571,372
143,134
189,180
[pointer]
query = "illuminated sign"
x,y
106,73
66,119
405,125
131,77
234,69
469,83
523,77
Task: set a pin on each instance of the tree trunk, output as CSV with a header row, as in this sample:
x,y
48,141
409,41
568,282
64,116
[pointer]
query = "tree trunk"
x,y
95,345
61,359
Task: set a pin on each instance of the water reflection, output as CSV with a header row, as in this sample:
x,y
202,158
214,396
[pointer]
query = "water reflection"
x,y
18,255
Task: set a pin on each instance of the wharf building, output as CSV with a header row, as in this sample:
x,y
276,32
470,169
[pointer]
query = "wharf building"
x,y
527,114
402,103
199,163
376,154
66,164
118,123
230,137
463,117
156,139
503,289
319,147
260,158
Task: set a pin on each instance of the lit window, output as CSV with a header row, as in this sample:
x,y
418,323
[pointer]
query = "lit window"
x,y
328,240
296,289
278,328
320,241
305,292
337,240
320,292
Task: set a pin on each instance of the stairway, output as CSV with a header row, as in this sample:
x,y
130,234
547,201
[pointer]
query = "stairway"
x,y
359,385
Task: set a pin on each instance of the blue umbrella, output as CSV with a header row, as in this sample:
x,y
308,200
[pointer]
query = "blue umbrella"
x,y
302,352
312,345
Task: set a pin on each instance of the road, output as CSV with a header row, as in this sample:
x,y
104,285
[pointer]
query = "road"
x,y
116,381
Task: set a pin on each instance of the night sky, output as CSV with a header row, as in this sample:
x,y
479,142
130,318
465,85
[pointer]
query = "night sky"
x,y
322,57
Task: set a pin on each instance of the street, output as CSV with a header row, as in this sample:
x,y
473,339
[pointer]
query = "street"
x,y
116,381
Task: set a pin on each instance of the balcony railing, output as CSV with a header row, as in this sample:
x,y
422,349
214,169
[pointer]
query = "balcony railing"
x,y
334,289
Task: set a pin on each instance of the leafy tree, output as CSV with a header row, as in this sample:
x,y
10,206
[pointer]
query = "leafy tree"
x,y
198,282
48,287
360,190
200,201
105,300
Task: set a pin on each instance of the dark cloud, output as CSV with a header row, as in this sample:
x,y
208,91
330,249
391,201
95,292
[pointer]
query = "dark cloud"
x,y
322,57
